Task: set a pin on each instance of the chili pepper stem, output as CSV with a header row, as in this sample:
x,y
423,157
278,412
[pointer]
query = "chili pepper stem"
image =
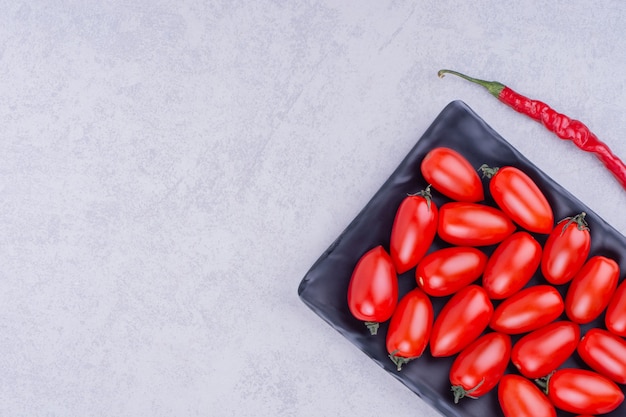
x,y
372,327
494,87
564,127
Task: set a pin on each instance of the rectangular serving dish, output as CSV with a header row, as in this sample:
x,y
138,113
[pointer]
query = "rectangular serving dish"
x,y
324,287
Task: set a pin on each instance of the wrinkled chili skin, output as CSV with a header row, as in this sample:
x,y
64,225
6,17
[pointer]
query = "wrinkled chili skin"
x,y
563,126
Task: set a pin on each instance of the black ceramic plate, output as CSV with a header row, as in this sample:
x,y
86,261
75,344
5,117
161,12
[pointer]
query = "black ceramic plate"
x,y
325,286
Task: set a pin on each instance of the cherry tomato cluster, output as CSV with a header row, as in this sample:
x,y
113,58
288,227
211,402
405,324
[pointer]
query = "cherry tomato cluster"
x,y
479,323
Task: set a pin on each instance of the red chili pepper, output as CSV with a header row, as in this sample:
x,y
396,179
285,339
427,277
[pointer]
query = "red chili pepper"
x,y
563,126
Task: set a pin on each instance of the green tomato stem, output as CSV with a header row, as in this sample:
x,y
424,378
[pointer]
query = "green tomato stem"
x,y
488,171
579,220
543,382
372,327
400,361
460,392
426,194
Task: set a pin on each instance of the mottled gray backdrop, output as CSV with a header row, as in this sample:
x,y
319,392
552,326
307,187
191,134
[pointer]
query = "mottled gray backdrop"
x,y
169,170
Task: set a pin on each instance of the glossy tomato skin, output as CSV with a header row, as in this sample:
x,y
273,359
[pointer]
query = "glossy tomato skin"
x,y
566,250
542,351
452,175
479,367
410,327
413,231
615,318
373,288
605,353
521,199
470,224
582,391
591,289
528,310
445,271
511,265
461,320
519,397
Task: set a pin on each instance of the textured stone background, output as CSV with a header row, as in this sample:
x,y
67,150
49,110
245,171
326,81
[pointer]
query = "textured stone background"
x,y
169,170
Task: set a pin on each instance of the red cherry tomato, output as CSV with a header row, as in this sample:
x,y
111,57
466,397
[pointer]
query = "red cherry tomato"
x,y
542,351
452,175
461,320
519,397
605,353
409,329
520,198
470,224
511,265
479,367
445,271
413,231
528,310
373,288
591,289
615,318
583,391
566,250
